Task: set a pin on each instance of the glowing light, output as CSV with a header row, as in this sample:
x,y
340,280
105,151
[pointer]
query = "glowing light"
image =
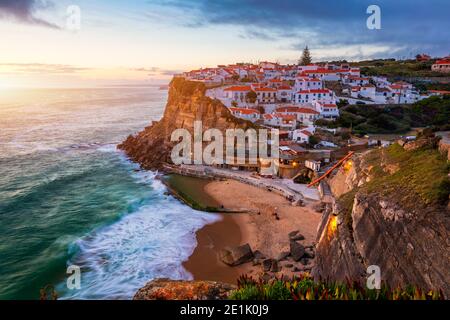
x,y
294,164
348,165
332,227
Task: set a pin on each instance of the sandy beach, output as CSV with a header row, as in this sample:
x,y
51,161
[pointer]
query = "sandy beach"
x,y
259,228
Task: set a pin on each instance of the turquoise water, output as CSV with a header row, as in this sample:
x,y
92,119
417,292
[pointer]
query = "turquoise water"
x,y
68,197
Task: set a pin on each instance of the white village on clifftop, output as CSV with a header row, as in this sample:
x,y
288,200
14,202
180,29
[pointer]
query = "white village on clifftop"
x,y
300,100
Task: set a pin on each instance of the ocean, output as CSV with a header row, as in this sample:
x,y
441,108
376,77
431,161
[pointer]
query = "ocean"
x,y
69,197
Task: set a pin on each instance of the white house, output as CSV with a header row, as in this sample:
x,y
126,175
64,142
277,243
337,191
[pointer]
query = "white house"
x,y
286,121
301,135
365,91
442,65
266,95
321,95
303,115
355,81
381,82
327,110
305,83
247,114
271,120
237,93
284,93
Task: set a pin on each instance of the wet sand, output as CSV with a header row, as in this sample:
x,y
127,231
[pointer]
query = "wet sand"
x,y
260,228
204,263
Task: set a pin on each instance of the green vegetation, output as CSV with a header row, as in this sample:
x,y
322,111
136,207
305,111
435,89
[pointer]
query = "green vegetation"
x,y
189,190
423,87
305,288
393,69
187,88
313,140
422,174
434,112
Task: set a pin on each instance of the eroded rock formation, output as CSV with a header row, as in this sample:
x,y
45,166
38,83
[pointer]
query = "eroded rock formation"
x,y
186,103
375,222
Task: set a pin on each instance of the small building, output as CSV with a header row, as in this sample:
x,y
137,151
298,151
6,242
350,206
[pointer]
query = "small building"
x,y
442,65
313,165
422,57
301,135
246,114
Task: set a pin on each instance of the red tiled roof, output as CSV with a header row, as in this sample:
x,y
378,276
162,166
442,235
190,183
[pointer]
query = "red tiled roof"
x,y
238,88
440,91
296,110
244,111
265,89
315,91
443,61
285,116
306,133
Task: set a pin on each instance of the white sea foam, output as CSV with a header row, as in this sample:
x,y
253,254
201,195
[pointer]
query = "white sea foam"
x,y
150,243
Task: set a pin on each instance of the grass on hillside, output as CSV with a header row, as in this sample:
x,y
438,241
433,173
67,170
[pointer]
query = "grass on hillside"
x,y
433,112
423,172
305,288
393,69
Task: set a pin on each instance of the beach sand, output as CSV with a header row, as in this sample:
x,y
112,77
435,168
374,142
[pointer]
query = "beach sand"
x,y
260,229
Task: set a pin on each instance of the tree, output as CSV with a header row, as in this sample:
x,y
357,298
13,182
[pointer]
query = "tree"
x,y
306,57
313,140
251,96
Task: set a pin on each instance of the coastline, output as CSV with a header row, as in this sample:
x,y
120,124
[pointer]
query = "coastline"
x,y
258,227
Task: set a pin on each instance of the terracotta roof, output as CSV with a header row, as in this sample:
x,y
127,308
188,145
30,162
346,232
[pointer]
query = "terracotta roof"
x,y
306,133
244,111
443,61
265,89
440,91
296,110
315,91
238,88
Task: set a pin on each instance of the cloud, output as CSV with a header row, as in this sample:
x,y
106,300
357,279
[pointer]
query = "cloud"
x,y
24,11
419,25
155,71
42,68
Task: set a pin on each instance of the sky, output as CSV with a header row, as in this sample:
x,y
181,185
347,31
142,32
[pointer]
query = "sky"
x,y
142,42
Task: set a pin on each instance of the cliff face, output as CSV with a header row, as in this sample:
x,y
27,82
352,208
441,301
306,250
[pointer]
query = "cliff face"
x,y
392,211
186,103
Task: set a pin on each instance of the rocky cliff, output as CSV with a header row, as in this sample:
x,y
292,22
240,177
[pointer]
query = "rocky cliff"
x,y
186,103
391,210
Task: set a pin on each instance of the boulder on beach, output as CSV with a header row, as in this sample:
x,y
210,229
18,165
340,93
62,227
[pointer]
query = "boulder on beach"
x,y
293,233
234,256
297,250
283,255
297,237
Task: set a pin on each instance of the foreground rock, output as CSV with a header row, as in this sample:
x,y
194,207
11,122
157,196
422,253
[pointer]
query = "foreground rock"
x,y
402,232
165,289
297,250
236,255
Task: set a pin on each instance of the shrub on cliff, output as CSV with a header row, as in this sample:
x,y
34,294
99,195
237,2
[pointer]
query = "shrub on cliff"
x,y
305,288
